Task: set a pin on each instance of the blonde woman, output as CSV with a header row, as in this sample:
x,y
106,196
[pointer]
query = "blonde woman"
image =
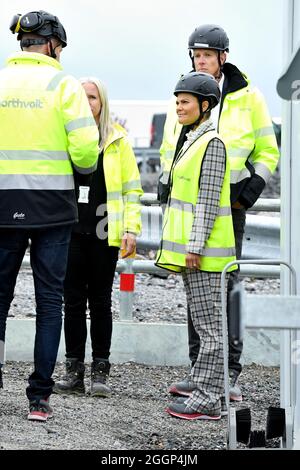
x,y
109,218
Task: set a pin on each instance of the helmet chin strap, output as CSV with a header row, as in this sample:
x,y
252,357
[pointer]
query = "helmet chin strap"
x,y
192,59
52,50
202,114
219,76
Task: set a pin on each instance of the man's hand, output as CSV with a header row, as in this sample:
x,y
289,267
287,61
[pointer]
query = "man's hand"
x,y
128,245
237,205
192,261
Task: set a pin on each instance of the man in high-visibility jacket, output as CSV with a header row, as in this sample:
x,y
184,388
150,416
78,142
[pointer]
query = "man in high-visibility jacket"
x,y
46,131
244,123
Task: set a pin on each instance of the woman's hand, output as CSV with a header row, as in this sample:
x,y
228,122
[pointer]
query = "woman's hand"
x,y
192,261
128,245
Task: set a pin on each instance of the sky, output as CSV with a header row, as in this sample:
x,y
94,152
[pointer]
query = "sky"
x,y
139,48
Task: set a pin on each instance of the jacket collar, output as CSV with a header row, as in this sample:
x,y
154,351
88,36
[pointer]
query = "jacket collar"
x,y
118,132
235,80
28,58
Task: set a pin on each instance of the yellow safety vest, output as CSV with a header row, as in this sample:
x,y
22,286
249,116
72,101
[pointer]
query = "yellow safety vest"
x,y
46,130
179,215
123,187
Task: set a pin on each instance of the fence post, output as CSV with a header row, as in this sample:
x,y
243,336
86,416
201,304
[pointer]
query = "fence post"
x,y
127,278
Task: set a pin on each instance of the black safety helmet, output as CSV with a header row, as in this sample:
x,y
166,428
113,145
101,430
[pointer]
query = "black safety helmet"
x,y
41,23
210,36
202,85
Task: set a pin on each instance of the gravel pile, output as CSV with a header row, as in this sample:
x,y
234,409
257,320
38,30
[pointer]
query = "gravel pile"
x,y
133,418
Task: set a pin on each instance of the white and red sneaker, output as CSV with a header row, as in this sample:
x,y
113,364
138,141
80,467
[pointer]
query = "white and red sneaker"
x,y
181,410
39,410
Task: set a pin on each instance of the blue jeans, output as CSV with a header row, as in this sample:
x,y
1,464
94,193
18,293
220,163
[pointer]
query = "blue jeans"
x,y
48,259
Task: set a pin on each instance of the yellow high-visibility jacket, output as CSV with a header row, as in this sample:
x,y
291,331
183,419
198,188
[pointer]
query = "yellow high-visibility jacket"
x,y
245,127
123,186
46,130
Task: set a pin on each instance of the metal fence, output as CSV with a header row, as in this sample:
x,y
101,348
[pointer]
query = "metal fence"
x,y
261,239
262,233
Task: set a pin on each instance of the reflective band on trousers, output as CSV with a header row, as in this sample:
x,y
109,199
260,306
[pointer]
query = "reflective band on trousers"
x,y
37,182
210,252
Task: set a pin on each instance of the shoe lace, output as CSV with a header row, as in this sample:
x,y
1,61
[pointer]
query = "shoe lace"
x,y
38,406
99,375
70,375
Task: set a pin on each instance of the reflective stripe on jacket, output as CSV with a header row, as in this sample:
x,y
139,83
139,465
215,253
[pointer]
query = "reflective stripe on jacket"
x,y
47,129
246,129
171,133
179,215
123,186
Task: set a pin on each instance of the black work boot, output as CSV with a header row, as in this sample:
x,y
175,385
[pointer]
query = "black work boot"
x,y
235,393
72,382
99,376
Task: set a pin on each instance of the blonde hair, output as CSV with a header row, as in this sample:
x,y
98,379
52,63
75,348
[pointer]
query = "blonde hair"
x,y
105,121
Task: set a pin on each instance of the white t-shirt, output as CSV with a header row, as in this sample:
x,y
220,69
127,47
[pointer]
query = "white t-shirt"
x,y
216,110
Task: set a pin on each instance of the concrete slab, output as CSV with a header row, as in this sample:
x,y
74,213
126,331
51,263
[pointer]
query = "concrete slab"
x,y
145,343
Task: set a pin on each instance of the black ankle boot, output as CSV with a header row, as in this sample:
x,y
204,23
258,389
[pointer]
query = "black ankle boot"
x,y
99,377
73,381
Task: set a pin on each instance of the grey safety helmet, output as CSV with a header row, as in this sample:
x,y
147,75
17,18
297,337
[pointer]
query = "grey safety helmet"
x,y
210,36
41,23
202,85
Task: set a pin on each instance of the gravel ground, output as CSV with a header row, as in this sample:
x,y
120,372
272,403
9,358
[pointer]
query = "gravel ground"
x,y
133,418
155,299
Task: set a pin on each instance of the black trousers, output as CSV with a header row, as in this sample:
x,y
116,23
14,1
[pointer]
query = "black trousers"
x,y
234,350
89,279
